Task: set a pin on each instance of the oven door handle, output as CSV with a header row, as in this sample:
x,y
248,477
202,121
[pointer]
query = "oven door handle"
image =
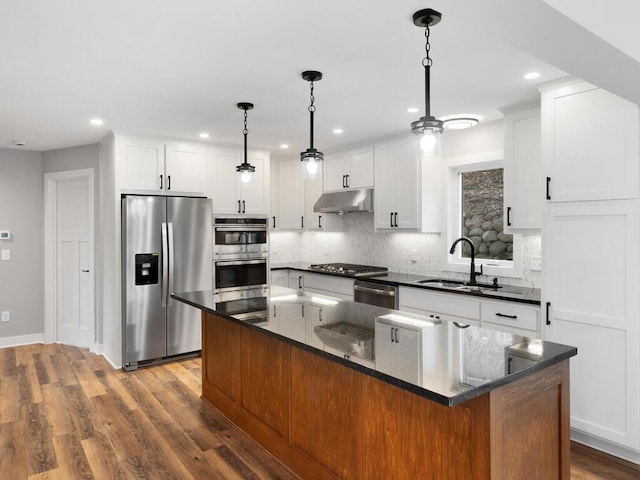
x,y
240,262
240,228
377,291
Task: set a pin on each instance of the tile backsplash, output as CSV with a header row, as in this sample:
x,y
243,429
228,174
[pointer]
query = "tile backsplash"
x,y
414,253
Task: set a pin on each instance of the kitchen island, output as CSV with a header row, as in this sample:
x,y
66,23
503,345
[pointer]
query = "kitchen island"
x,y
467,403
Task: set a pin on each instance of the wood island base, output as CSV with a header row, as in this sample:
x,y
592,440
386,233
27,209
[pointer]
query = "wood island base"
x,y
327,421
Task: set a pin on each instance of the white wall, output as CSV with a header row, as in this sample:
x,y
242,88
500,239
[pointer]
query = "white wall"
x,y
21,212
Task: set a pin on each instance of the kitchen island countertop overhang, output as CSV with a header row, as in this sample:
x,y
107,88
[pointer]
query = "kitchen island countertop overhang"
x,y
462,361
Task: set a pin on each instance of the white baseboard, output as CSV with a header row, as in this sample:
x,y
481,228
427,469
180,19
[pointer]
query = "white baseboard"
x,y
117,367
606,447
21,340
96,348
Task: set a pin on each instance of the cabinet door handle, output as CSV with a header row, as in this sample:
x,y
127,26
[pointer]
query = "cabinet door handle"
x,y
274,222
344,181
320,315
244,207
85,271
548,305
504,315
168,182
397,336
274,311
319,221
391,219
392,341
508,216
395,221
160,182
347,180
548,192
300,282
239,207
302,222
302,309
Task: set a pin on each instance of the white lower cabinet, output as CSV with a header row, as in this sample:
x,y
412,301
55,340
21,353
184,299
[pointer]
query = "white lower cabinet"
x,y
440,306
591,284
330,285
280,277
511,317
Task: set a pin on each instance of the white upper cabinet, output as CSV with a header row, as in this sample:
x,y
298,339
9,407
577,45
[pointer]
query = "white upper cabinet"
x,y
229,194
323,222
590,143
407,188
349,170
156,166
523,179
287,212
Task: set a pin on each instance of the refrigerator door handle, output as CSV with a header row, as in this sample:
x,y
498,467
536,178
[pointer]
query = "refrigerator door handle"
x,y
165,265
170,289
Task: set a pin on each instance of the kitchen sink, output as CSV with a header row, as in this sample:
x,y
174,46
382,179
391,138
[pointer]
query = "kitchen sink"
x,y
459,284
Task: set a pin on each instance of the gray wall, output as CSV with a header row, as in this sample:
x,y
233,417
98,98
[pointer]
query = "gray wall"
x,y
21,212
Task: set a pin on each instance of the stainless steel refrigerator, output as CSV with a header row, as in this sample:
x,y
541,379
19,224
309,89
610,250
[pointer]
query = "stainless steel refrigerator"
x,y
166,247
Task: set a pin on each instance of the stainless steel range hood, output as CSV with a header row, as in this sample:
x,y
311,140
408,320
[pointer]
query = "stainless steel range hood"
x,y
345,201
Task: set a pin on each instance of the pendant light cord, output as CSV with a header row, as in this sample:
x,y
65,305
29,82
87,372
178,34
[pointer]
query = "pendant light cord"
x,y
312,110
245,132
426,63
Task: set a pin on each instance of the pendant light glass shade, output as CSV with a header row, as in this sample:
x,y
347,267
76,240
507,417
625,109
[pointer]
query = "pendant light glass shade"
x,y
428,128
245,169
311,156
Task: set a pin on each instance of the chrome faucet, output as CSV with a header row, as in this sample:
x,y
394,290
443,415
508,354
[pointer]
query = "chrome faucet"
x,y
472,274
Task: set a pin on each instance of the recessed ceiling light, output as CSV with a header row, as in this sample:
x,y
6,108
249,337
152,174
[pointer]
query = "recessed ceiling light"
x,y
412,110
531,75
460,122
96,122
20,143
338,131
204,135
284,146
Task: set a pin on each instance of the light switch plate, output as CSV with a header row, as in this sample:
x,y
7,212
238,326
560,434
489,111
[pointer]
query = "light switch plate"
x,y
6,316
5,235
5,254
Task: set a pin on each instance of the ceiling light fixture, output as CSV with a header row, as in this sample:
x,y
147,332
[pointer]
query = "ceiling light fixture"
x,y
311,156
245,168
459,122
96,122
531,75
338,131
204,135
428,126
284,146
413,110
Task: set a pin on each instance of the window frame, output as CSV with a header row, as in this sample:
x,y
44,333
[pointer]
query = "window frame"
x,y
455,262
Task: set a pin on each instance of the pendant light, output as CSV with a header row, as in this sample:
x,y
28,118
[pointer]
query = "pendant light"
x,y
310,157
428,127
245,168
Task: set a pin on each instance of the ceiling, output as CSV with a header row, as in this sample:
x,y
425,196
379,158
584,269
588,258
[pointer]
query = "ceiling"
x,y
176,69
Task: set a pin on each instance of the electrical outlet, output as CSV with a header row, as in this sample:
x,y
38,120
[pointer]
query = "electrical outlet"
x,y
5,254
6,316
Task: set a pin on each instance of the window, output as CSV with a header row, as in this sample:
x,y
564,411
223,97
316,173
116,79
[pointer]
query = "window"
x,y
476,211
482,215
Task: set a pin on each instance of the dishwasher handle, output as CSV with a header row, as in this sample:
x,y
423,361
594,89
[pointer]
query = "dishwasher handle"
x,y
377,291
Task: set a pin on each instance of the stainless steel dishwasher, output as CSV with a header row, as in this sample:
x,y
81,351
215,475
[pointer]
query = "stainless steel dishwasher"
x,y
375,294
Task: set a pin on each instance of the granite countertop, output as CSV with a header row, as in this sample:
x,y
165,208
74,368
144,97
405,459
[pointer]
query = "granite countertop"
x,y
456,363
505,292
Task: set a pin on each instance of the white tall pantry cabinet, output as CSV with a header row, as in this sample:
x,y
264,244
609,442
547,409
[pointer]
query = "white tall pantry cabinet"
x,y
591,255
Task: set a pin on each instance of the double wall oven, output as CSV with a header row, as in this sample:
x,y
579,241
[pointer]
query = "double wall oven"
x,y
240,253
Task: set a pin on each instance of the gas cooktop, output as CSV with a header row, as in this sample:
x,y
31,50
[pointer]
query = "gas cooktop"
x,y
349,269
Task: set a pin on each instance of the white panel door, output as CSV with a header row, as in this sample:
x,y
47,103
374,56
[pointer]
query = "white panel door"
x,y
74,295
591,283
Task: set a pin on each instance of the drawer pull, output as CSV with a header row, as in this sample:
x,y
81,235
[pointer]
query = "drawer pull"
x,y
506,316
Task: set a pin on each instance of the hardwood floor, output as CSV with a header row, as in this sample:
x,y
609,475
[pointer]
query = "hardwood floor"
x,y
66,414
